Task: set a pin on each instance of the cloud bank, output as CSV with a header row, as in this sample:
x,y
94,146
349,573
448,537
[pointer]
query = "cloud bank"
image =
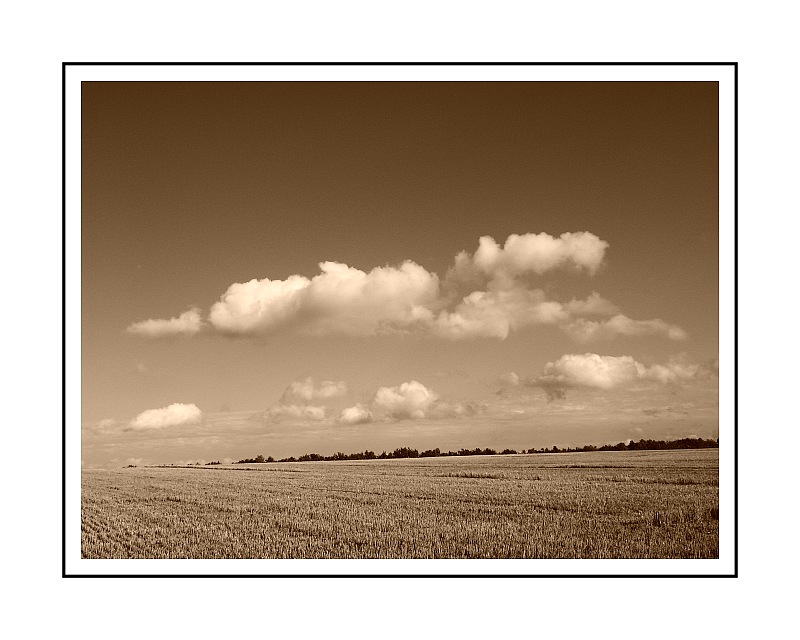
x,y
172,416
487,294
408,401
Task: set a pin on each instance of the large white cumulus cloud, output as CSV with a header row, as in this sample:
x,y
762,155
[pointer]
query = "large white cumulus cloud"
x,y
173,415
484,295
340,300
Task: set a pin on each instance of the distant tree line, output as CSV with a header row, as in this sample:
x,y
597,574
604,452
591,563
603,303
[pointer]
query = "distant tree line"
x,y
406,452
258,459
642,445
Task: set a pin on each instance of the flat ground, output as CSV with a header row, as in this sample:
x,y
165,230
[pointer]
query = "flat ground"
x,y
638,504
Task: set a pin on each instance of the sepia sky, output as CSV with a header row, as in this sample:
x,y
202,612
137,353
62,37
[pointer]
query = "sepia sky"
x,y
284,268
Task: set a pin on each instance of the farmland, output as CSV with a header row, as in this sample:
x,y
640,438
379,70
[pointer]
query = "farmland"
x,y
621,504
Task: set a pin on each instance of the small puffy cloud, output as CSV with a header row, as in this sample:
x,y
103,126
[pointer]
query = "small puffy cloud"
x,y
533,253
590,370
409,400
506,382
357,414
281,412
593,371
414,401
305,391
172,416
509,380
188,323
296,402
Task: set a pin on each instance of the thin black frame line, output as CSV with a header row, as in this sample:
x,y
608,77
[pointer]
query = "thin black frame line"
x,y
736,319
406,64
735,573
64,320
402,575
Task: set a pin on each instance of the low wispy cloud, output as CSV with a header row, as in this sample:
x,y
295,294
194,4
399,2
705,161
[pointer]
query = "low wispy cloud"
x,y
189,323
301,398
173,415
306,391
586,330
104,426
304,412
655,412
487,294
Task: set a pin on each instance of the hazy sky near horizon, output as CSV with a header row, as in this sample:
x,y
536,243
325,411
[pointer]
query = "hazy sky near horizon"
x,y
281,268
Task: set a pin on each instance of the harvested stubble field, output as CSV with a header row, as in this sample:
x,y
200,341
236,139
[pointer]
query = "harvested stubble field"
x,y
642,504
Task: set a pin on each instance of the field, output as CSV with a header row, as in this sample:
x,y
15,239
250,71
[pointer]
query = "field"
x,y
638,504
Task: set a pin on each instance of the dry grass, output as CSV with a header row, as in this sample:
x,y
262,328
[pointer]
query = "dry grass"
x,y
648,504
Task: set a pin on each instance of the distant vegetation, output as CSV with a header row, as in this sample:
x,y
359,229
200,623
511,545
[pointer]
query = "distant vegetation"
x,y
406,452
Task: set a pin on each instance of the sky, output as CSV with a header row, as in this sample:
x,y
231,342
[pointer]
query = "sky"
x,y
283,268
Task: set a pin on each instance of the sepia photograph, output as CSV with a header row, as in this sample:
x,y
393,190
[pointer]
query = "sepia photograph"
x,y
382,314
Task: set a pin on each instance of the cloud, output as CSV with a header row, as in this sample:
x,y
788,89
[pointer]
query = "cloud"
x,y
357,414
341,300
407,401
188,323
679,369
306,391
296,402
657,411
620,325
295,412
487,294
506,382
172,416
531,253
593,371
414,401
107,425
